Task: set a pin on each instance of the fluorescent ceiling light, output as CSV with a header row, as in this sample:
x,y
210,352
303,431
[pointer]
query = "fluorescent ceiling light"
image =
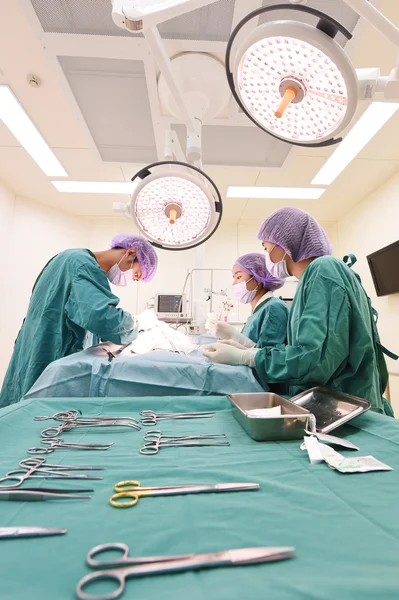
x,y
15,118
95,187
375,117
281,193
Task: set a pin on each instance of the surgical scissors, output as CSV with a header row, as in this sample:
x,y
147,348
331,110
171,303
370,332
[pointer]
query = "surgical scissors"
x,y
55,443
132,489
38,468
119,570
154,440
149,417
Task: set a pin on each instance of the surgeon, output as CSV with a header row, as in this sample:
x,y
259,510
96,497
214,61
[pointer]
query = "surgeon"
x,y
72,295
332,338
254,285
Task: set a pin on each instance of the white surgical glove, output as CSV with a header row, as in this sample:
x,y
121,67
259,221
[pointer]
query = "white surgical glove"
x,y
228,355
224,331
234,344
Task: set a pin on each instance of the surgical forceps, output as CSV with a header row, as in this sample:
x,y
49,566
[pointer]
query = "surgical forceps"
x,y
38,468
73,421
55,443
76,419
25,532
154,440
149,417
39,494
120,569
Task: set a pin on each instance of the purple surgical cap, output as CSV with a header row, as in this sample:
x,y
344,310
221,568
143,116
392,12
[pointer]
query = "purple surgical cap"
x,y
145,252
255,265
296,232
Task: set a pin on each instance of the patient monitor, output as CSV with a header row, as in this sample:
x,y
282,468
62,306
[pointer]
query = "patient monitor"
x,y
170,306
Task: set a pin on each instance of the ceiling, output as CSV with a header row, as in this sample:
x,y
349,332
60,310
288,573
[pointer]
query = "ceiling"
x,y
98,107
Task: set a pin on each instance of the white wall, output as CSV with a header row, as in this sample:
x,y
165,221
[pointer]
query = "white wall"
x,y
371,225
30,234
7,206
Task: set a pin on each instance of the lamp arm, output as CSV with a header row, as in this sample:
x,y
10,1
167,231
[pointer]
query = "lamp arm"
x,y
139,15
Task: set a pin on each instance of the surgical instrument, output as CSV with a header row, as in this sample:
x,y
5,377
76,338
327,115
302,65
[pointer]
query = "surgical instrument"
x,y
115,353
154,440
123,568
75,416
56,430
55,443
124,559
40,494
132,489
16,532
73,421
149,417
39,468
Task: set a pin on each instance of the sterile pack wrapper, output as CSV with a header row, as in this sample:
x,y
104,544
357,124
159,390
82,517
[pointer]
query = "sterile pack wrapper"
x,y
355,464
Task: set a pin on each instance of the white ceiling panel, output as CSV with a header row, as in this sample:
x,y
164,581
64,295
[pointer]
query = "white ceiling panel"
x,y
87,167
6,137
112,96
238,146
93,17
297,172
359,180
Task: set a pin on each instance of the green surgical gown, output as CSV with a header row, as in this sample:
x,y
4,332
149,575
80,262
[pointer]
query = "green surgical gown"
x,y
267,326
329,337
71,295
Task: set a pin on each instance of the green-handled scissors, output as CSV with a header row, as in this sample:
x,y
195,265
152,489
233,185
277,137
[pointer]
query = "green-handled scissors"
x,y
132,490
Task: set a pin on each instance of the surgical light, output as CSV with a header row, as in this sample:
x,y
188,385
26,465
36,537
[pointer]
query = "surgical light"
x,y
292,79
175,204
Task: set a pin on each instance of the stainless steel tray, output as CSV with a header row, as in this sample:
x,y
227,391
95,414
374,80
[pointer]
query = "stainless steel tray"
x,y
330,408
290,425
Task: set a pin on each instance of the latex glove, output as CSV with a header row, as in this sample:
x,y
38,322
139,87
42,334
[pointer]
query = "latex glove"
x,y
234,344
224,331
228,355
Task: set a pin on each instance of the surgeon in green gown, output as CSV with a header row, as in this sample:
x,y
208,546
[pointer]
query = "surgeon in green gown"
x,y
71,296
254,285
332,338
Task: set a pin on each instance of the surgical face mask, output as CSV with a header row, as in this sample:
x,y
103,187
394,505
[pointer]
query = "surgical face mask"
x,y
242,294
279,269
118,277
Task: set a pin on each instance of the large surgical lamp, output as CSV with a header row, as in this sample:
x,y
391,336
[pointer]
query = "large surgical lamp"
x,y
175,204
293,80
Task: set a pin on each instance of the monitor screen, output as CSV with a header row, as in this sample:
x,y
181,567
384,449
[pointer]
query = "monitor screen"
x,y
384,269
169,303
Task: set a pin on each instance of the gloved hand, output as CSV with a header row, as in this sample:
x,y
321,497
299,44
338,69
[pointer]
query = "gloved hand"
x,y
228,355
234,344
224,331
